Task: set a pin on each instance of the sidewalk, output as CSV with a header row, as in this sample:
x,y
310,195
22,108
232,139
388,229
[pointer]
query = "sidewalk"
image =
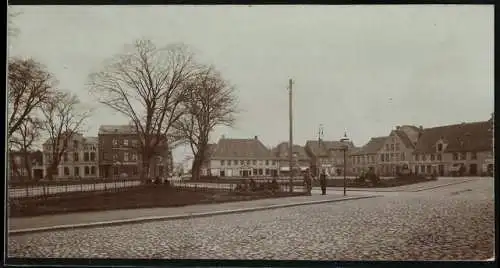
x,y
102,218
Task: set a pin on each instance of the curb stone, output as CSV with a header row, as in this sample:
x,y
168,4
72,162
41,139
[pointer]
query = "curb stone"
x,y
178,217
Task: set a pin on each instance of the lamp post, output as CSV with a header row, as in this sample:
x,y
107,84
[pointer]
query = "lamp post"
x,y
320,134
345,141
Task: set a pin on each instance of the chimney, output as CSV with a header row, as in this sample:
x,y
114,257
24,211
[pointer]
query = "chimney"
x,y
398,127
256,137
421,127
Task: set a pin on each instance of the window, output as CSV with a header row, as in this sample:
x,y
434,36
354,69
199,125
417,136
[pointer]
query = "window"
x,y
387,157
392,147
125,156
403,156
433,157
268,172
75,144
381,158
242,162
87,170
255,162
125,142
92,170
424,158
417,157
228,162
115,170
274,162
473,156
439,157
440,147
92,156
373,159
86,156
455,156
76,171
422,169
75,157
65,155
66,171
115,157
397,146
463,156
134,157
267,163
235,162
134,142
387,147
115,142
261,171
222,162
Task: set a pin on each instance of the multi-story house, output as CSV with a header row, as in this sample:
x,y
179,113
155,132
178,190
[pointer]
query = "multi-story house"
x,y
328,156
119,153
395,155
21,164
78,161
242,158
301,160
366,158
466,148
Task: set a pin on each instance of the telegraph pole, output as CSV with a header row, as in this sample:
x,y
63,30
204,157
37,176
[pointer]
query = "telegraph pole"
x,y
320,133
290,141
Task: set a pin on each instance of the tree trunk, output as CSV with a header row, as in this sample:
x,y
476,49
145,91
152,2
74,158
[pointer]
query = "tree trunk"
x,y
27,165
196,168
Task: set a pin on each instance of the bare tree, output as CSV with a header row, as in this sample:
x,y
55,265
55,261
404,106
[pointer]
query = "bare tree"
x,y
23,140
147,86
29,85
63,117
211,103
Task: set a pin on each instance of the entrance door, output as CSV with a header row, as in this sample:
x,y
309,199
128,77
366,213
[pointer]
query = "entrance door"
x,y
473,169
441,170
245,173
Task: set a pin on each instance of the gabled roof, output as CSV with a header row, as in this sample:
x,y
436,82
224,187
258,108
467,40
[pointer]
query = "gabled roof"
x,y
404,138
372,147
281,151
476,136
241,148
324,146
116,129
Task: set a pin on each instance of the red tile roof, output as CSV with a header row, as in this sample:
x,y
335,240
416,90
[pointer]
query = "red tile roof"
x,y
241,148
465,137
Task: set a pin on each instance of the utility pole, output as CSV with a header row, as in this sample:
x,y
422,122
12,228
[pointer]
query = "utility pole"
x,y
290,141
320,133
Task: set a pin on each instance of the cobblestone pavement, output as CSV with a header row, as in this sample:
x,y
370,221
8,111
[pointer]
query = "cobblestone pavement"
x,y
449,223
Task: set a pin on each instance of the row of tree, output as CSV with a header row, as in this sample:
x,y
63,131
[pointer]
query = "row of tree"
x,y
165,93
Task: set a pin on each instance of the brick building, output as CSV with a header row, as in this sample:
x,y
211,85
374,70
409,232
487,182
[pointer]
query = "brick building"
x,y
119,154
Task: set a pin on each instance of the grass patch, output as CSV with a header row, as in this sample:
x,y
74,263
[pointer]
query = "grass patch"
x,y
146,196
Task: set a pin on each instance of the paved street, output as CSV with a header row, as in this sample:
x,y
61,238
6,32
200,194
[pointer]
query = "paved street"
x,y
447,223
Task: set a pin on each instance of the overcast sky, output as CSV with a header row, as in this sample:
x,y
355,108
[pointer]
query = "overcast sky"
x,y
364,69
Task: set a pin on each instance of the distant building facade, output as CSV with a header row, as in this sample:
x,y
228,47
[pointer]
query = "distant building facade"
x,y
395,154
78,161
460,149
328,156
119,154
366,158
242,158
21,164
300,160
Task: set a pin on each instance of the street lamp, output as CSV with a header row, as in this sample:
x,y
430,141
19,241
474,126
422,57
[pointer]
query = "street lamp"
x,y
345,147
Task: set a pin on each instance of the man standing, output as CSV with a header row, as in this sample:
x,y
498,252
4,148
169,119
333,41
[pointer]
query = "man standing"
x,y
322,182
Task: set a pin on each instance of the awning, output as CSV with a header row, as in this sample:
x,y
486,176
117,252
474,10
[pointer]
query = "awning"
x,y
288,168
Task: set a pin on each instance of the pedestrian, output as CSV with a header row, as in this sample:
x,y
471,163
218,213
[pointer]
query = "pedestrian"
x,y
308,182
322,182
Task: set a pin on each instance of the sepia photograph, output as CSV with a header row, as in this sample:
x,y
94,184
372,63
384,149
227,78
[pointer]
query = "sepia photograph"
x,y
250,132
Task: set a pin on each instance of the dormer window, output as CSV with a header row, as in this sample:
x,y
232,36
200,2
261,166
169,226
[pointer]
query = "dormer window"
x,y
440,147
